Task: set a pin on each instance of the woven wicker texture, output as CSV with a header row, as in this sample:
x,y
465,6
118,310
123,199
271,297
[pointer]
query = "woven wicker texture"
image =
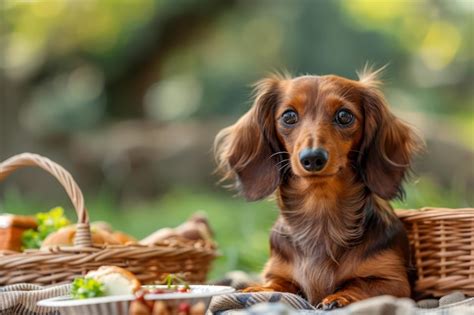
x,y
442,244
62,264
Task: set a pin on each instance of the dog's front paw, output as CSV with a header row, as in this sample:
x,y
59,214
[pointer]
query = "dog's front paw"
x,y
334,301
257,289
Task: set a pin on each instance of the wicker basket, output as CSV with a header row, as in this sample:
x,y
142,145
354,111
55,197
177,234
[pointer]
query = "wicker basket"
x,y
63,264
442,242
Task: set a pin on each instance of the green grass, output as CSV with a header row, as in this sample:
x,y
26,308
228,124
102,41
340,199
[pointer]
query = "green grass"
x,y
241,228
423,192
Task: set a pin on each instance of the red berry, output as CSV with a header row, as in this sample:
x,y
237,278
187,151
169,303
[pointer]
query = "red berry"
x,y
184,307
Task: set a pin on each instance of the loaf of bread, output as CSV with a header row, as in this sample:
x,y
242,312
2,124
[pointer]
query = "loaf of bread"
x,y
65,237
12,228
196,228
121,237
124,238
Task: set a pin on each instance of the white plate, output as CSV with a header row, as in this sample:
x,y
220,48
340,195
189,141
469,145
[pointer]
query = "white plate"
x,y
119,304
197,292
68,301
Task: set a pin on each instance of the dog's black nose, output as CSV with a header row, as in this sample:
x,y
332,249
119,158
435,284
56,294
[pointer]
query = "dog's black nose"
x,y
313,160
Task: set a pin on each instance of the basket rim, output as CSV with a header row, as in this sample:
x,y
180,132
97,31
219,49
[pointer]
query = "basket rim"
x,y
436,213
102,252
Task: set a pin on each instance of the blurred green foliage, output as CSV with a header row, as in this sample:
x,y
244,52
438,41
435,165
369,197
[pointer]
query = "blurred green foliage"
x,y
79,66
82,50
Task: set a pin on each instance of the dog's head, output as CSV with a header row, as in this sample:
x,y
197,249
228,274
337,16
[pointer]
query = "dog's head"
x,y
317,128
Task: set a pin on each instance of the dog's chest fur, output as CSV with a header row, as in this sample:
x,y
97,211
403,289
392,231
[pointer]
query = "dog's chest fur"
x,y
317,265
315,234
324,248
316,276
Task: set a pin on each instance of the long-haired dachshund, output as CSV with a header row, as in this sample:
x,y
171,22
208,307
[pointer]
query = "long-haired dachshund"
x,y
335,155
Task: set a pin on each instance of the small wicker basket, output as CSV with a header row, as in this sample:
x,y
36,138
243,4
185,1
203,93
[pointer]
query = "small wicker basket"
x,y
63,264
442,245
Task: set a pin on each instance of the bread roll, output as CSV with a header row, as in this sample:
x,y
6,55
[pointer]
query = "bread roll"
x,y
196,228
102,225
124,238
116,280
65,237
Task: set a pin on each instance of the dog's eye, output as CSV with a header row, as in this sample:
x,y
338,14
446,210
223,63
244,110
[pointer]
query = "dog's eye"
x,y
290,117
344,117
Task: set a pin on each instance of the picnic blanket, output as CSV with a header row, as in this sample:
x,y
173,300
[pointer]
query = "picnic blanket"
x,y
21,299
275,303
287,303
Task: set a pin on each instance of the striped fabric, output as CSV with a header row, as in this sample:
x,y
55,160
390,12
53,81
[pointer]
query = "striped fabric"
x,y
275,303
21,299
116,308
243,300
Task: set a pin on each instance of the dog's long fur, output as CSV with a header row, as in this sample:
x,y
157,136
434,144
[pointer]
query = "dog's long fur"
x,y
337,239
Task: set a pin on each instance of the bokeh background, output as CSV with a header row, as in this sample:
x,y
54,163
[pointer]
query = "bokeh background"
x,y
129,94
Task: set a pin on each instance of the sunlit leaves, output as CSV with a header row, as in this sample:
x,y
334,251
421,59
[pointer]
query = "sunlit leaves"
x,y
440,45
425,29
59,27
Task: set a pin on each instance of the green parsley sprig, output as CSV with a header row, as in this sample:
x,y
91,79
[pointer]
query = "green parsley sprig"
x,y
85,288
172,281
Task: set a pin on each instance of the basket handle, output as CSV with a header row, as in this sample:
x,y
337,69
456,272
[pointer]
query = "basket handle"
x,y
83,233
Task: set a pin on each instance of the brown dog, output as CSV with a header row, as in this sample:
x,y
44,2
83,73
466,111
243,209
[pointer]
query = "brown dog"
x,y
335,155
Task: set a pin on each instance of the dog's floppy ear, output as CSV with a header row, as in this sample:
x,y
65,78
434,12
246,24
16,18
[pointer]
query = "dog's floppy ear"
x,y
388,144
245,150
